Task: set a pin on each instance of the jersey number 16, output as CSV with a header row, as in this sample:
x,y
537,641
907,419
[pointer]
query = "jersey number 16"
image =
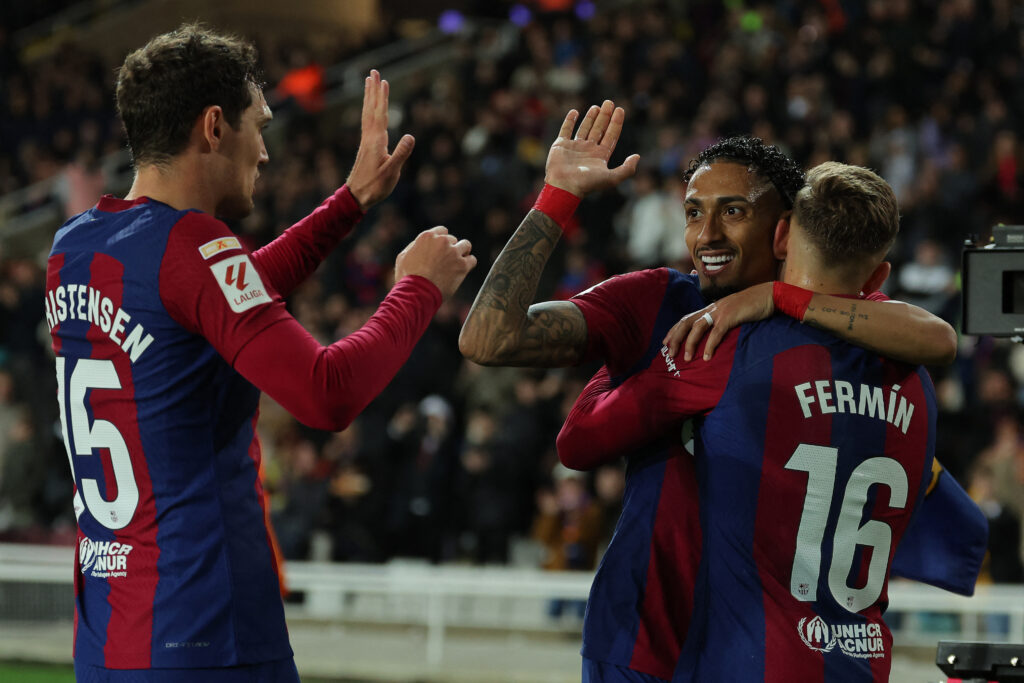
x,y
819,462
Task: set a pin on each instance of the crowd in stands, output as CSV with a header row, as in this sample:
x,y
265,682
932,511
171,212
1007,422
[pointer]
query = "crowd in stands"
x,y
456,462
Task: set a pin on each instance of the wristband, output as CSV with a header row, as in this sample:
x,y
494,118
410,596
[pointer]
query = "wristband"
x,y
557,204
790,299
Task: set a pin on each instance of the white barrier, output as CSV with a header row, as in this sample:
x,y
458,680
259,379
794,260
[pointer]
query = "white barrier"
x,y
442,597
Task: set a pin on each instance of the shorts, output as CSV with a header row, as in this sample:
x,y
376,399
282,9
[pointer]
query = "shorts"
x,y
603,672
279,671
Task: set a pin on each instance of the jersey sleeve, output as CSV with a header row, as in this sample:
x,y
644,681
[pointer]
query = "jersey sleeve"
x,y
929,553
606,423
295,254
620,314
224,299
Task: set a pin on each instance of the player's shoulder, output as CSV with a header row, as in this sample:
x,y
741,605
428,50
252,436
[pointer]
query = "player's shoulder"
x,y
642,282
201,237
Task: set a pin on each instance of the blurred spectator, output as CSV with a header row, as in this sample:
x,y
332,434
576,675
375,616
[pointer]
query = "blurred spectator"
x,y
486,505
422,455
568,524
927,281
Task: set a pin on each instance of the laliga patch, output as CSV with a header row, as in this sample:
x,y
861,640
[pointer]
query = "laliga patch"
x,y
240,283
214,247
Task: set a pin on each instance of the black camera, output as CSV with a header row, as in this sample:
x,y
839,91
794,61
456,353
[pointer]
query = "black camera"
x,y
993,283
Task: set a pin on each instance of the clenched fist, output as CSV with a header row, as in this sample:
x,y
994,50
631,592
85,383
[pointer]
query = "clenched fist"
x,y
441,258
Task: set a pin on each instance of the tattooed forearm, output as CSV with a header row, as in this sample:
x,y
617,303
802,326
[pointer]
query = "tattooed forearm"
x,y
815,317
898,331
500,328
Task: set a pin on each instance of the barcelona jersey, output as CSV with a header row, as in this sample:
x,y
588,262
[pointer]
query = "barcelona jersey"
x,y
643,596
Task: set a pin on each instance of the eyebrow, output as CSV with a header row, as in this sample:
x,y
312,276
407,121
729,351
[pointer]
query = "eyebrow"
x,y
720,200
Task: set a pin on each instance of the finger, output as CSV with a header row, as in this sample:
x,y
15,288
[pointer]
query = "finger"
x,y
452,239
604,117
588,123
384,90
714,337
463,247
674,336
697,332
369,94
611,136
570,120
436,230
470,262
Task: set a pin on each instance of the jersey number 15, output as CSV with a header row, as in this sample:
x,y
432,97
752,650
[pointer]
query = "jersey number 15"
x,y
89,373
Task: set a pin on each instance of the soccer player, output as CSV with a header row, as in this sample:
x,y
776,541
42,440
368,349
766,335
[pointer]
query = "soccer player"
x,y
812,455
165,330
641,599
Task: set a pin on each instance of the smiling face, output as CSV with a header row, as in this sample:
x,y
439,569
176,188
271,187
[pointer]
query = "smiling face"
x,y
244,152
731,214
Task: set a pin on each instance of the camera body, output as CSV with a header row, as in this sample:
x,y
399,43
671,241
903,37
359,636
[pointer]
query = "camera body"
x,y
993,284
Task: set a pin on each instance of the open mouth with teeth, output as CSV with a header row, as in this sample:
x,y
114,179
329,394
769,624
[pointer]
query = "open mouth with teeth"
x,y
714,263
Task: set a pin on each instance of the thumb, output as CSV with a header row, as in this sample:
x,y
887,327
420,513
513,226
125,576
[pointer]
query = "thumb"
x,y
628,168
401,154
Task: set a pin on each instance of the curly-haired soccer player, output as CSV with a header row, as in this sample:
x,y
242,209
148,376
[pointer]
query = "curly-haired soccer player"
x,y
641,601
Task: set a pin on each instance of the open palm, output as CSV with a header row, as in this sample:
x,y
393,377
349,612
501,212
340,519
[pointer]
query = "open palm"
x,y
580,164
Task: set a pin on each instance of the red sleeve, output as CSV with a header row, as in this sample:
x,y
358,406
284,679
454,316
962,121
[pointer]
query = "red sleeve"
x,y
620,314
327,387
291,258
223,298
605,424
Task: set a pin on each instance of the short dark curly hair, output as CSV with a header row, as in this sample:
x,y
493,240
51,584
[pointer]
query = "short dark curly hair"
x,y
767,160
163,87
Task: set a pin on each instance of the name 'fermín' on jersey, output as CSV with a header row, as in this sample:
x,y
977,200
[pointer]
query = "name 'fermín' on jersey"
x,y
828,396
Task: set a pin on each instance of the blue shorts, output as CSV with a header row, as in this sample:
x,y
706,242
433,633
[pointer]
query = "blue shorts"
x,y
280,671
603,672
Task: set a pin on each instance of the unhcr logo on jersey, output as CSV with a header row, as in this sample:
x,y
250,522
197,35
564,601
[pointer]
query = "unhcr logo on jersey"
x,y
103,559
855,640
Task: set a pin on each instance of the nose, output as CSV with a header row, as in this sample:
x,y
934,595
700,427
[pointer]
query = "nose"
x,y
264,157
710,230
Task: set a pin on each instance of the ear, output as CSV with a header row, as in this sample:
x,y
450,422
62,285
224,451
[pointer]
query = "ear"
x,y
211,126
874,283
780,243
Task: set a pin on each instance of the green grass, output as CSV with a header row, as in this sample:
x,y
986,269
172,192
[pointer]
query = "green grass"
x,y
36,673
11,672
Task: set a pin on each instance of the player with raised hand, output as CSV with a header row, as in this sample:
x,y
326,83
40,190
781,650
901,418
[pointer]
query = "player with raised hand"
x,y
502,327
642,597
165,330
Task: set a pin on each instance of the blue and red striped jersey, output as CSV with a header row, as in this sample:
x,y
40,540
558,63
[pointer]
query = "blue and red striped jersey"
x,y
812,457
642,597
163,326
175,566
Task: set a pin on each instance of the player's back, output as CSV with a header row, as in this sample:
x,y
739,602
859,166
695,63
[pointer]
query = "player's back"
x,y
174,567
810,468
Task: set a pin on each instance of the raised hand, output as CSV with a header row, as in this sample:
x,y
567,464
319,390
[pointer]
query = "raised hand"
x,y
438,256
745,306
580,164
375,171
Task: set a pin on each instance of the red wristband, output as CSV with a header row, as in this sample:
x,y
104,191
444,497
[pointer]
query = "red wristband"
x,y
557,203
791,300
